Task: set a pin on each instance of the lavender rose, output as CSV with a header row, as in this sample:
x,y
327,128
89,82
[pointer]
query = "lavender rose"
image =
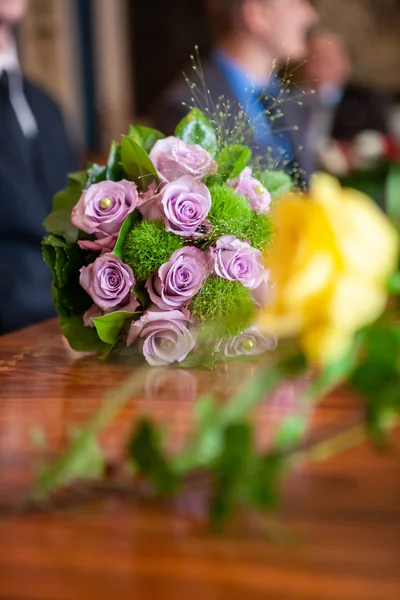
x,y
248,343
102,209
237,261
173,158
178,280
186,203
150,206
108,281
253,190
166,336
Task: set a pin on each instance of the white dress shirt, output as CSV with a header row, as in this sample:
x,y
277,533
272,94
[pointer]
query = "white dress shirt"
x,y
9,63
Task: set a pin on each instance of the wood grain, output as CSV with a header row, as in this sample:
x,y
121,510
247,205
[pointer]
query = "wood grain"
x,y
337,536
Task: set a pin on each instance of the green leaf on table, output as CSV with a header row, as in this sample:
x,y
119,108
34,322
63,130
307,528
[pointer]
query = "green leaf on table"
x,y
195,128
114,171
127,225
109,327
231,470
290,433
264,480
232,160
276,182
393,192
79,337
147,457
59,220
137,164
95,174
146,137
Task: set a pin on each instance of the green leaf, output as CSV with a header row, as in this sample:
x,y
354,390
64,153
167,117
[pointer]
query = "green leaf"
x,y
79,337
59,220
264,480
127,225
232,160
276,182
86,461
114,170
393,192
231,470
79,460
195,128
137,164
290,432
109,327
394,284
147,457
146,137
95,174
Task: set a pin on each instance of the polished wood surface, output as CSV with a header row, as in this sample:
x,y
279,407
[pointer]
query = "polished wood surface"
x,y
337,536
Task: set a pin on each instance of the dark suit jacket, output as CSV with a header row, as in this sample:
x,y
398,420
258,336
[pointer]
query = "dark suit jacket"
x,y
359,110
169,110
31,172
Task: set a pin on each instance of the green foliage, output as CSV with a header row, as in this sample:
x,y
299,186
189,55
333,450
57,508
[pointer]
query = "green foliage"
x,y
147,457
231,471
226,304
377,376
127,226
95,174
232,160
59,220
109,327
70,299
137,164
147,246
259,231
393,192
276,182
265,475
195,128
65,261
230,213
146,137
114,171
81,338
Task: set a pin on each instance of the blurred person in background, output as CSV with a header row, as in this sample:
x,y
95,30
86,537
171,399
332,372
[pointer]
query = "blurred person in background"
x,y
339,110
252,39
35,157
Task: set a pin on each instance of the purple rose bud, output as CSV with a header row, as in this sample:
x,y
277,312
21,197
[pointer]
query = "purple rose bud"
x,y
102,244
178,280
166,336
130,304
256,194
237,261
103,208
150,206
173,159
262,294
108,281
248,343
186,203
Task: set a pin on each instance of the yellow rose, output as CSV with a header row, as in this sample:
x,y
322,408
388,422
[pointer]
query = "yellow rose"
x,y
330,261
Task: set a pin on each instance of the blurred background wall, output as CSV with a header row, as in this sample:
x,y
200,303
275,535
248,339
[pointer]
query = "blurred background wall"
x,y
107,60
371,31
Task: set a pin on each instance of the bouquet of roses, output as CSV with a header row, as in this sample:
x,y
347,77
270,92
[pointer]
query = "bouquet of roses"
x,y
166,237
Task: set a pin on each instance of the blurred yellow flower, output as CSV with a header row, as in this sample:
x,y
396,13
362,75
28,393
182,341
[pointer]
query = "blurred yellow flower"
x,y
332,255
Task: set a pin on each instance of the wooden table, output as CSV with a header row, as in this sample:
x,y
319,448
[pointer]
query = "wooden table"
x,y
339,527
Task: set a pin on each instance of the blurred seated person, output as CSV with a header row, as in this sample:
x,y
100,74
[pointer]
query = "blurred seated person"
x,y
253,38
339,110
35,157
